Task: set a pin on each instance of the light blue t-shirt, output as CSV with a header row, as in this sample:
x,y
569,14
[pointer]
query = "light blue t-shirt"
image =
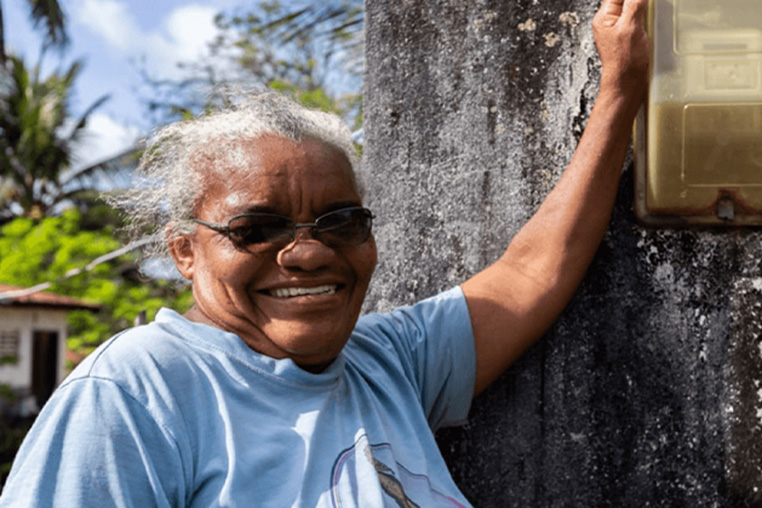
x,y
177,413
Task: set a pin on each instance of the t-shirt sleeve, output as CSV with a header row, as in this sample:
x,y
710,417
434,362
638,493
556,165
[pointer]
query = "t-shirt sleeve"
x,y
94,445
434,343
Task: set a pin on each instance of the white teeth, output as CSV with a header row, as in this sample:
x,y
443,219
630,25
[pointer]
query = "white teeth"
x,y
319,290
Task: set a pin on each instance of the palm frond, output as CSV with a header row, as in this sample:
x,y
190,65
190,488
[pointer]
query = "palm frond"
x,y
50,14
81,122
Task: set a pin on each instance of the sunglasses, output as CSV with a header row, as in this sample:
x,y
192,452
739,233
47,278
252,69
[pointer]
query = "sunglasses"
x,y
258,232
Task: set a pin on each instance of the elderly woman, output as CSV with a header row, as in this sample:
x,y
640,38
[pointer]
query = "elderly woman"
x,y
270,391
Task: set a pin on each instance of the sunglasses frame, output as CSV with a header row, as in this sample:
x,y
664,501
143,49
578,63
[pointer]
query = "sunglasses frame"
x,y
227,231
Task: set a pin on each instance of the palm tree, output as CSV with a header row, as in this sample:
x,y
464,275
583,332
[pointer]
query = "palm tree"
x,y
44,12
36,139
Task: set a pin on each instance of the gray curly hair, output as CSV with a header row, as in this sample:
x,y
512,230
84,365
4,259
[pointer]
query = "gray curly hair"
x,y
168,184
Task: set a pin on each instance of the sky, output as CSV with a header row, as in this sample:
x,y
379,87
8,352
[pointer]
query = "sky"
x,y
115,39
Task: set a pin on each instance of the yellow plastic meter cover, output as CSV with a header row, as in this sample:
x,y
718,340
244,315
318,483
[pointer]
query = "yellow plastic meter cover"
x,y
699,137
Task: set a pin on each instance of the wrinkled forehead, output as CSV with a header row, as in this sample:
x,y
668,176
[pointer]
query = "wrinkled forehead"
x,y
222,161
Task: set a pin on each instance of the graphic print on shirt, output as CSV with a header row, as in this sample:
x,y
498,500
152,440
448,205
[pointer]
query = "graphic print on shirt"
x,y
364,462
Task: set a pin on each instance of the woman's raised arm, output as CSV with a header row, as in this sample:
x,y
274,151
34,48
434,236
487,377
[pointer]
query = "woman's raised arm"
x,y
516,299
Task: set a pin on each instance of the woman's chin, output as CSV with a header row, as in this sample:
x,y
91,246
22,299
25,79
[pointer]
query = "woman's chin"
x,y
313,343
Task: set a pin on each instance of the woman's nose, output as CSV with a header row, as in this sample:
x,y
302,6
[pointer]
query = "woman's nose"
x,y
305,252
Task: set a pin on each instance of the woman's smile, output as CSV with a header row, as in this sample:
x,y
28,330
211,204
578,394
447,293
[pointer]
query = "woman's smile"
x,y
292,292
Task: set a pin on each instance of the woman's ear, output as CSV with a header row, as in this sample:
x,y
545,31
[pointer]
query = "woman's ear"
x,y
181,250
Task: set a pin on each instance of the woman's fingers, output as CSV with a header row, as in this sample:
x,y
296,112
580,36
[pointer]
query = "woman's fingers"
x,y
635,10
610,11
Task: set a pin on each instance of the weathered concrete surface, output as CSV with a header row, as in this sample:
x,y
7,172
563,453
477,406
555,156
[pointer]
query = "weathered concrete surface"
x,y
648,390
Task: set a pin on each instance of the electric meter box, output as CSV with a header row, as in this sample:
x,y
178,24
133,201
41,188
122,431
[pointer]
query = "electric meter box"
x,y
698,139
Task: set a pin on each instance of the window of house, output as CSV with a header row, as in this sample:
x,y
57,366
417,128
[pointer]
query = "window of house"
x,y
9,346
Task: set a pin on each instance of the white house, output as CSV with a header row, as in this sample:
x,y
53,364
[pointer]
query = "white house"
x,y
33,341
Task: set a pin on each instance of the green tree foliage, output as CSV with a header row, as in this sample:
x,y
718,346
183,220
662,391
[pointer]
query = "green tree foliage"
x,y
312,51
35,251
36,139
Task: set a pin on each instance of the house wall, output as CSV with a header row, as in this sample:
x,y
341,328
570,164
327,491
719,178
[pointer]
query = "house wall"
x,y
27,320
648,389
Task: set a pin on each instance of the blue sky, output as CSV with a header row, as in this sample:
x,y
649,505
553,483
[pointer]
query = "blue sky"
x,y
113,38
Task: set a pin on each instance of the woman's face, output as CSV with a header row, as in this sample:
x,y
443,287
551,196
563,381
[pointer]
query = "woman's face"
x,y
244,292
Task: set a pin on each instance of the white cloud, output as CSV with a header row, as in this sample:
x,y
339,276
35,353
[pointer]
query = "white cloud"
x,y
182,36
110,19
103,138
191,28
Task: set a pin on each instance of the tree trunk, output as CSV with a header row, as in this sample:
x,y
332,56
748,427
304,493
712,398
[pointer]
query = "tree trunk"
x,y
645,392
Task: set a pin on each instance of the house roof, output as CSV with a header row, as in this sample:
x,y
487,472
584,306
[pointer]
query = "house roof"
x,y
43,299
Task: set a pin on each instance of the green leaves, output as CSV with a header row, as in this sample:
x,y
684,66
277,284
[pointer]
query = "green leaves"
x,y
35,251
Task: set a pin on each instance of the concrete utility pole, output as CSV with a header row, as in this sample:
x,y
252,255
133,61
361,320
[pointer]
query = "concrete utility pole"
x,y
648,389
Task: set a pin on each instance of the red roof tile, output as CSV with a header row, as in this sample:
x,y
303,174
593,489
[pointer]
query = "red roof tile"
x,y
43,299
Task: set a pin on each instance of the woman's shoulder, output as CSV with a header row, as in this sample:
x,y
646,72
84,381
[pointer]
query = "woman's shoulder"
x,y
133,348
157,361
404,334
413,322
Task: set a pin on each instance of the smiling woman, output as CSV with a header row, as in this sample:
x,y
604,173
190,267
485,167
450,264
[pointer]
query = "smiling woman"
x,y
285,297
271,390
271,387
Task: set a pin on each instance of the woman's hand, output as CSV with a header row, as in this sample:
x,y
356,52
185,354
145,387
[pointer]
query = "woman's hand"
x,y
620,35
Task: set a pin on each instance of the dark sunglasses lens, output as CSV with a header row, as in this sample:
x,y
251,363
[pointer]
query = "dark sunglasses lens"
x,y
344,227
248,230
